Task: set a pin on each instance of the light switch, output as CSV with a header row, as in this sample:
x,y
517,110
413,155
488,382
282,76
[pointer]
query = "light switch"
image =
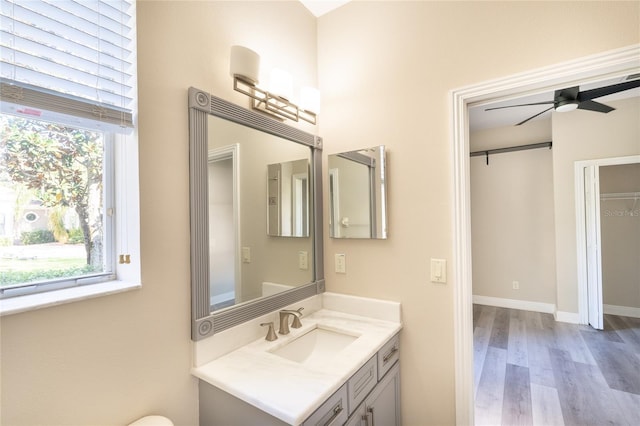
x,y
303,260
246,254
341,264
438,271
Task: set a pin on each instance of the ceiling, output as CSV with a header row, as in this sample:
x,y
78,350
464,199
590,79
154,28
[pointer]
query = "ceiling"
x,y
320,7
480,119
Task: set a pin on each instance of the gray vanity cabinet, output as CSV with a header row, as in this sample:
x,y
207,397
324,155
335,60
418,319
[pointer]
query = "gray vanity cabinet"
x,y
382,405
371,397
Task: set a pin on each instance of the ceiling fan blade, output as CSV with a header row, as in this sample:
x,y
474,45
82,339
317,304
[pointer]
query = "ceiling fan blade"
x,y
595,106
534,116
511,106
587,95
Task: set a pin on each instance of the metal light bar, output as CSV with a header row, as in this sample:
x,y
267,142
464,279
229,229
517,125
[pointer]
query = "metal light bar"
x,y
271,104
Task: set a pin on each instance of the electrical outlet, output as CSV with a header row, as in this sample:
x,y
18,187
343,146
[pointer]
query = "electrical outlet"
x,y
516,285
303,260
341,264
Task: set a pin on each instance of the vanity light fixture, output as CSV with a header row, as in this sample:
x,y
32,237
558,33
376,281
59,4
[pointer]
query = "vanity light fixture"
x,y
245,66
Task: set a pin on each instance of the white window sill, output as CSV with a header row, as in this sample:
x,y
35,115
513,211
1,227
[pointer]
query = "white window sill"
x,y
18,304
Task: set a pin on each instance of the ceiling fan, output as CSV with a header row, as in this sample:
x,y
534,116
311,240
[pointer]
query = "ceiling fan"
x,y
572,98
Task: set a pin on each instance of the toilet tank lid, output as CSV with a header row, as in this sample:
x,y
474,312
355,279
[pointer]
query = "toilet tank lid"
x,y
152,421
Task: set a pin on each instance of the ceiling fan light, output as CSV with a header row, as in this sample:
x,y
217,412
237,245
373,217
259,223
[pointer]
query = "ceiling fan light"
x,y
566,106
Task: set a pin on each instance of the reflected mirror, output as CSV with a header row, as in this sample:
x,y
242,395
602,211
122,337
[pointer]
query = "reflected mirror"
x,y
358,194
252,181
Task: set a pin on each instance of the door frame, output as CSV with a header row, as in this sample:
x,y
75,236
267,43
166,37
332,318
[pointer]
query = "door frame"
x,y
585,308
611,64
232,152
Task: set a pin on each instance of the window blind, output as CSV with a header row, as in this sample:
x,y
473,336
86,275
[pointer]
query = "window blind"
x,y
71,57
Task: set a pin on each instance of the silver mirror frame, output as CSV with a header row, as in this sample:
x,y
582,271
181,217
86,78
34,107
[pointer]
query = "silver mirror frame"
x,y
204,323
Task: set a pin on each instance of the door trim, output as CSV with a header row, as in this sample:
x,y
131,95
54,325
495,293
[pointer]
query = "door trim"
x,y
611,64
232,152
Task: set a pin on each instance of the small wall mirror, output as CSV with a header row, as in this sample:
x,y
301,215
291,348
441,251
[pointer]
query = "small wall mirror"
x,y
253,180
358,194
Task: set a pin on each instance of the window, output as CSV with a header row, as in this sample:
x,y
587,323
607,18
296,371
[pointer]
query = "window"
x,y
68,94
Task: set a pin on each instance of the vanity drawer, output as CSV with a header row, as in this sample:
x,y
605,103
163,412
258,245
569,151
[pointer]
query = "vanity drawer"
x,y
332,412
361,383
388,355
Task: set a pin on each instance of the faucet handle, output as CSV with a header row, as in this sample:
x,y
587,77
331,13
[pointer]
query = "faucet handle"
x,y
296,319
271,333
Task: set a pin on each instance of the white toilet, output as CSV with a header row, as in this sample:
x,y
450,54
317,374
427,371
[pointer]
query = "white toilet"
x,y
152,421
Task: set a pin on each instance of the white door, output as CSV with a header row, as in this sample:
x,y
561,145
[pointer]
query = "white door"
x,y
593,255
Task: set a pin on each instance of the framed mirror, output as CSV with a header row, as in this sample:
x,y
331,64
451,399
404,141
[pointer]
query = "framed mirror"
x,y
241,266
358,194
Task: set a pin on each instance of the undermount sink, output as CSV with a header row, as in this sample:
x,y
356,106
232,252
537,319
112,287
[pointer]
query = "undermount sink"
x,y
315,346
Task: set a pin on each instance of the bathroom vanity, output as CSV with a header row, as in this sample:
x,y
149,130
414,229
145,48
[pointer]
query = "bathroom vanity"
x,y
341,365
346,370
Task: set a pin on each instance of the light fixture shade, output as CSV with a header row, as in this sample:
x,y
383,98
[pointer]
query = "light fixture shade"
x,y
281,83
310,99
567,106
245,63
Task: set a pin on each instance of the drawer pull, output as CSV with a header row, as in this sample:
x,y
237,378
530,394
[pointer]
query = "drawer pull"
x,y
336,412
391,353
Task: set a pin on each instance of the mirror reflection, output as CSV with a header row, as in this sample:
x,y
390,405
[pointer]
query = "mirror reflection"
x,y
357,194
288,199
258,191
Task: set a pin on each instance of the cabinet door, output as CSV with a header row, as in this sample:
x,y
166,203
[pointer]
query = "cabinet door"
x,y
358,417
383,404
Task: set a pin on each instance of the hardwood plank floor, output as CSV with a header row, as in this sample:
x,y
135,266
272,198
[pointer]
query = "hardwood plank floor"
x,y
532,370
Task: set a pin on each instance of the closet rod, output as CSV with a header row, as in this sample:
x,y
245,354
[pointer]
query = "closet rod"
x,y
488,152
620,196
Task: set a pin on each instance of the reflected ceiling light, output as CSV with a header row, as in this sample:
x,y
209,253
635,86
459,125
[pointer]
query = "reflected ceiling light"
x,y
276,101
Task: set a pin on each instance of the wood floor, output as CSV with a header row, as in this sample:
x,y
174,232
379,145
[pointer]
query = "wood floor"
x,y
532,370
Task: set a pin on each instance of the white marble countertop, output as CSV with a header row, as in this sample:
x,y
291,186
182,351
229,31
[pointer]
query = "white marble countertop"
x,y
288,390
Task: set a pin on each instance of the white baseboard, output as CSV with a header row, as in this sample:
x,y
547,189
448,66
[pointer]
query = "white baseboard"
x,y
624,311
525,305
570,317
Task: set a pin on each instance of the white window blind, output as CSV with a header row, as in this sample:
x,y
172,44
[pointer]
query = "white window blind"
x,y
70,57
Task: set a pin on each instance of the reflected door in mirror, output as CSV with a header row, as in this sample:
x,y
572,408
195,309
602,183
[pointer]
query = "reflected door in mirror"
x,y
224,267
357,194
288,199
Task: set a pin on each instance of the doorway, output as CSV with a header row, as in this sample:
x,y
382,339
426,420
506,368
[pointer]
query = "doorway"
x,y
615,203
615,63
224,225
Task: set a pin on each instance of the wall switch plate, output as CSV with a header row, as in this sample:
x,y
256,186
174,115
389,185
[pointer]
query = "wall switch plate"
x,y
438,271
303,260
516,285
246,254
341,264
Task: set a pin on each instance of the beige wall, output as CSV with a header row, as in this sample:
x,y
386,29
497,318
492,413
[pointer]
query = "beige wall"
x,y
577,137
512,231
620,236
385,69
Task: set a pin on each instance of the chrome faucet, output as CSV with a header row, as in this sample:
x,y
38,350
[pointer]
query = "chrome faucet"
x,y
284,320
